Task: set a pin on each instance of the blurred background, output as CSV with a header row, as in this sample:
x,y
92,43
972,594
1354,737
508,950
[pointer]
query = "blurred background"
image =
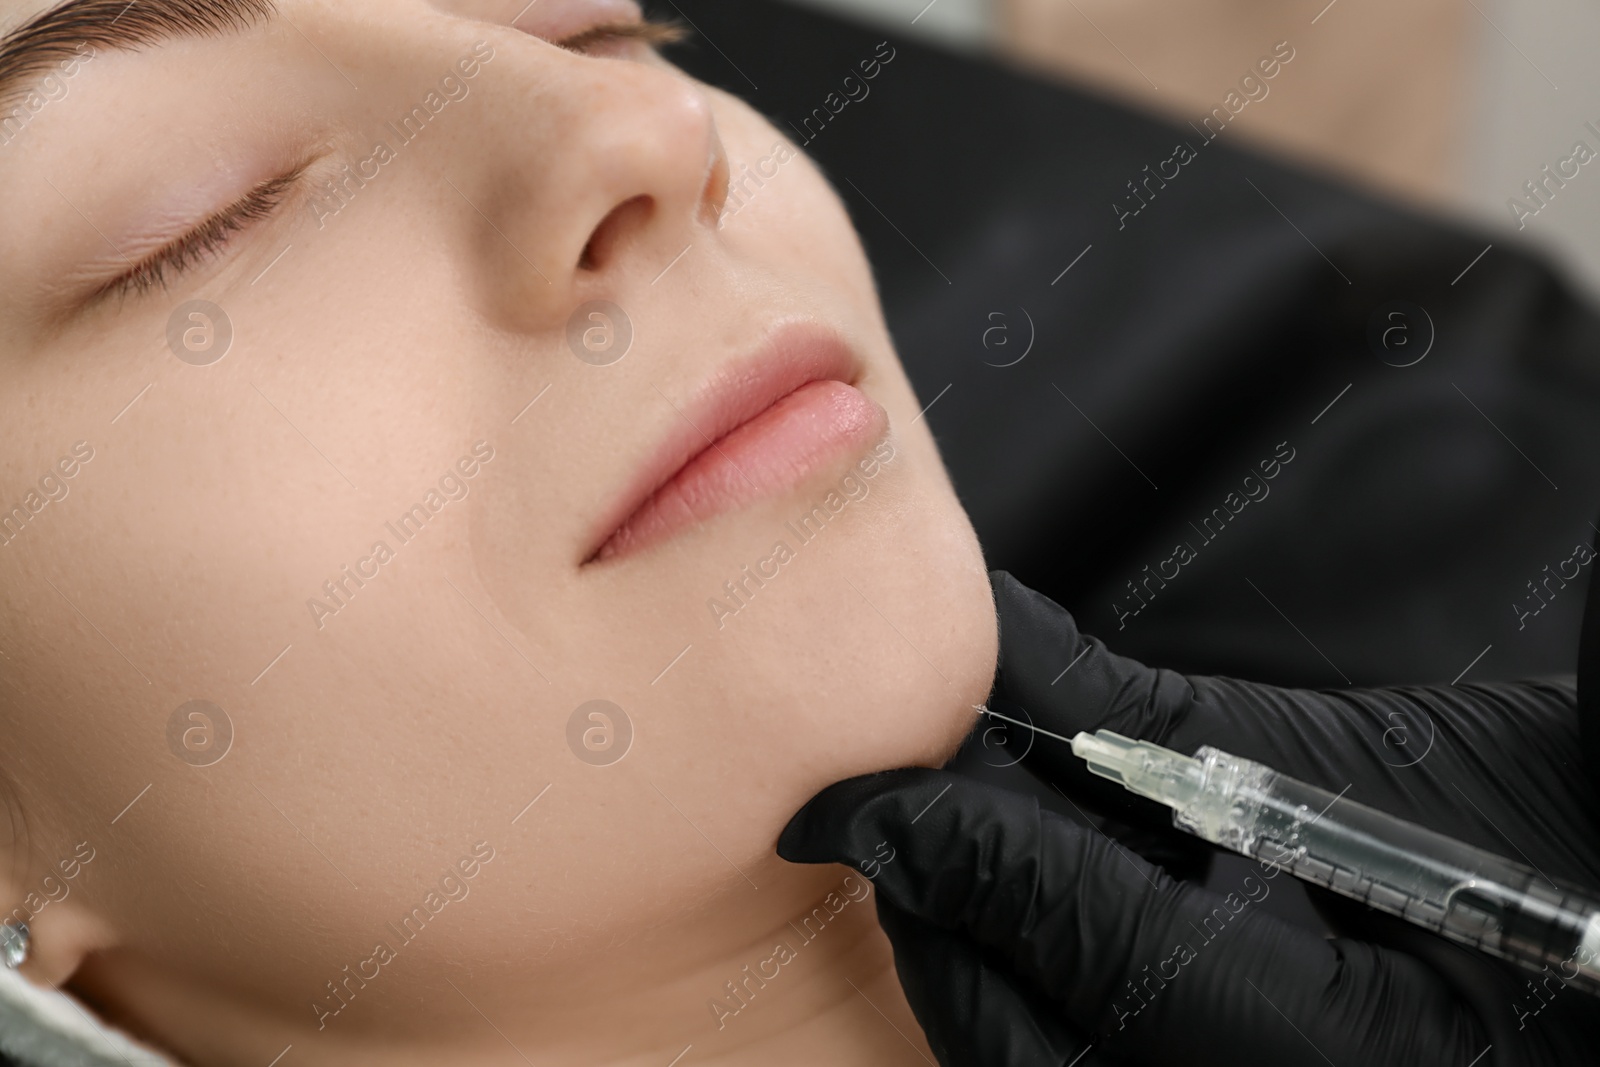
x,y
1453,105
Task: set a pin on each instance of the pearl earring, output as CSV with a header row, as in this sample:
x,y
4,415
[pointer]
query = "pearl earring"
x,y
14,940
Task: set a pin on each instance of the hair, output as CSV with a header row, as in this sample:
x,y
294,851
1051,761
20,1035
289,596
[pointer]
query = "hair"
x,y
55,35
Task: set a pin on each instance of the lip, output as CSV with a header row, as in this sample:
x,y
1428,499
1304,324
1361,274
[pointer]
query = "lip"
x,y
759,427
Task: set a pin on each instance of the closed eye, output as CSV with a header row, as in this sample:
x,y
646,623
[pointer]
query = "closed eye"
x,y
203,242
654,33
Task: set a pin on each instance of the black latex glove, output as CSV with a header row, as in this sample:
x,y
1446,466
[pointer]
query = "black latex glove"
x,y
1025,938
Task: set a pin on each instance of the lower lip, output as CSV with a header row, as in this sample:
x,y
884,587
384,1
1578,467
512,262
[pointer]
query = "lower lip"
x,y
803,433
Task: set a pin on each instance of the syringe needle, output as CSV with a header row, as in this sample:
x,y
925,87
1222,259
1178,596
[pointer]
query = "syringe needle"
x,y
984,710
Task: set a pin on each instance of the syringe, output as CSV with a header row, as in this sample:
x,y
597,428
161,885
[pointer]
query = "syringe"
x,y
1460,892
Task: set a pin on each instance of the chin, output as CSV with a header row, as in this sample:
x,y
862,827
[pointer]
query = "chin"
x,y
940,584
916,660
968,658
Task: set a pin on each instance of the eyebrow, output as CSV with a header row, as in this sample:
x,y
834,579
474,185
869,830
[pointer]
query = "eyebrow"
x,y
125,25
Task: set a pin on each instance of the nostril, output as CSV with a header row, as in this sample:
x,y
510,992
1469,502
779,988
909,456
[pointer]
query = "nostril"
x,y
605,244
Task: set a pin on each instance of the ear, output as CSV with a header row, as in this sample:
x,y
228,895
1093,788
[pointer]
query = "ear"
x,y
61,935
63,925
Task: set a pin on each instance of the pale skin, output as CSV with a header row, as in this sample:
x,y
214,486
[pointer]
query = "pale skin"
x,y
375,746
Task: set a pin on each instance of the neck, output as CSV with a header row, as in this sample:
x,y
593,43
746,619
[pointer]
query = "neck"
x,y
795,973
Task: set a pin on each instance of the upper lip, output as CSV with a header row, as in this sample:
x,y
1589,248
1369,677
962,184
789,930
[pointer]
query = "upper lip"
x,y
791,356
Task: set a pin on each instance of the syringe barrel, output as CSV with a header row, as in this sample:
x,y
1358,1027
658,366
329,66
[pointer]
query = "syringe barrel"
x,y
1461,892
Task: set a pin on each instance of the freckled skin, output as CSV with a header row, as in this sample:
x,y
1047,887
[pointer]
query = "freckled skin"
x,y
376,354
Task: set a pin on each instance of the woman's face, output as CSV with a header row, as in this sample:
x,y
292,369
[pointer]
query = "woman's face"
x,y
352,354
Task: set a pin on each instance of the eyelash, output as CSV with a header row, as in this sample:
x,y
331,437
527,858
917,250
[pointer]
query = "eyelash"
x,y
213,235
653,32
205,240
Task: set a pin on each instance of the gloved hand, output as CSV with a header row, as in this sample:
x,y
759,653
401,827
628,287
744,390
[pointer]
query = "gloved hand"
x,y
1025,938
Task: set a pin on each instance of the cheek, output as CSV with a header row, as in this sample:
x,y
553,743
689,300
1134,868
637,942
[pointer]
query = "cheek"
x,y
195,539
804,222
793,218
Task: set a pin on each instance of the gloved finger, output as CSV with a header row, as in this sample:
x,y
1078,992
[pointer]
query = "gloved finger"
x,y
973,1012
1065,682
1159,968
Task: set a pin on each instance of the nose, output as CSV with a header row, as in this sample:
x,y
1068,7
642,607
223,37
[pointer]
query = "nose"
x,y
595,173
